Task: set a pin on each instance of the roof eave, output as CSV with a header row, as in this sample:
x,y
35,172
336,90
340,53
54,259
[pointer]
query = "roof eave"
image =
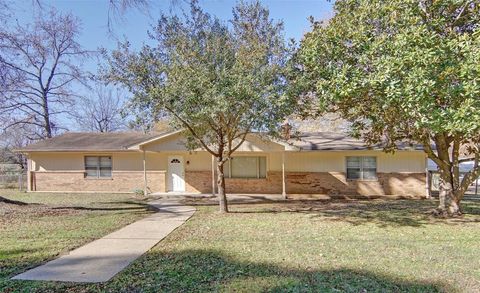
x,y
137,146
73,150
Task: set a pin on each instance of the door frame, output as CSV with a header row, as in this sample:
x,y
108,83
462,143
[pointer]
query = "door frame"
x,y
170,185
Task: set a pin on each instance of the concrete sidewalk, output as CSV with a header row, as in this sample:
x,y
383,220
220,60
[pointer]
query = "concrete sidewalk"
x,y
102,259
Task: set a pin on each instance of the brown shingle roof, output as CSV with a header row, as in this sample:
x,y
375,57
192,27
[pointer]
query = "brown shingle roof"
x,y
120,141
324,141
88,141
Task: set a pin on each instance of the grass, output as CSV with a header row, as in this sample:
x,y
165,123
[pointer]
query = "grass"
x,y
329,246
55,223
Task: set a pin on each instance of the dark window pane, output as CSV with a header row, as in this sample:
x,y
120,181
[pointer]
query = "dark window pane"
x,y
369,162
262,164
105,162
244,167
91,162
353,173
105,172
96,166
369,173
353,162
91,171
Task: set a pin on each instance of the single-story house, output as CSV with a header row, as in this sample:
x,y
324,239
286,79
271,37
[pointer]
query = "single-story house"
x,y
312,163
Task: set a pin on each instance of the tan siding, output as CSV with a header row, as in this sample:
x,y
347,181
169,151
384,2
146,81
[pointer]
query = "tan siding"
x,y
127,161
176,143
307,172
58,161
171,143
401,161
256,144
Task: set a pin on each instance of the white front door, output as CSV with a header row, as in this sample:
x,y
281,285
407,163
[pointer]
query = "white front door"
x,y
176,174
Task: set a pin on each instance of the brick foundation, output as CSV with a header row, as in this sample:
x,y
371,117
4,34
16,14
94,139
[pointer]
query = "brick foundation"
x,y
331,184
198,181
400,184
75,182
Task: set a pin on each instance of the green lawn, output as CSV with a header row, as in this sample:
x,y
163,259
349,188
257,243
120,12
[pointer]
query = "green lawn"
x,y
54,224
332,246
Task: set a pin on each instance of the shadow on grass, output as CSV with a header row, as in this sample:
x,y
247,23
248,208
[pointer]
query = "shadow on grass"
x,y
413,213
213,271
133,206
209,270
4,253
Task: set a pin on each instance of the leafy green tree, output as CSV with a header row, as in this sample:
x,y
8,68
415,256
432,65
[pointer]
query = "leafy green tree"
x,y
402,71
218,81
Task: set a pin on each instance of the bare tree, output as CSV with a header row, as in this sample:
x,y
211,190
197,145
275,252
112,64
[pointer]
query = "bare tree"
x,y
4,10
102,112
39,66
11,139
118,8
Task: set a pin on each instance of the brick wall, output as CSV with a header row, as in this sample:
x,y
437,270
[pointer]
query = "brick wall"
x,y
198,181
75,181
201,181
403,184
400,184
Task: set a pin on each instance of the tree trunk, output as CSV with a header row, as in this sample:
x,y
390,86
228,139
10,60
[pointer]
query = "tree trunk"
x,y
454,207
449,204
222,197
447,158
46,118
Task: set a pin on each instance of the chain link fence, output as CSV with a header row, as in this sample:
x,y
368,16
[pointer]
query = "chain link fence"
x,y
12,176
434,183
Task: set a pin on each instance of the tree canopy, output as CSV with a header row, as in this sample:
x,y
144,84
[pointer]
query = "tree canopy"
x,y
219,81
39,63
401,71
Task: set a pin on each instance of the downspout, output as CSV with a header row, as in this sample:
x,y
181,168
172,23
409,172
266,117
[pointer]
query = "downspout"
x,y
213,175
145,182
428,181
284,192
29,174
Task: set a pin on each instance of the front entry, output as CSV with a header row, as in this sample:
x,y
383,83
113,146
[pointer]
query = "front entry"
x,y
176,174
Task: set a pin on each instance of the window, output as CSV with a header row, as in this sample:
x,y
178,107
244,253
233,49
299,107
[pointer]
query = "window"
x,y
362,168
98,167
246,167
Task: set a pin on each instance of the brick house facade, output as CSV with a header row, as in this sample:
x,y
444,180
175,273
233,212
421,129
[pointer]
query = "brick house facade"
x,y
315,163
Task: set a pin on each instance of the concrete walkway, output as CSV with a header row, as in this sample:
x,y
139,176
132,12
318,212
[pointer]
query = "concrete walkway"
x,y
102,259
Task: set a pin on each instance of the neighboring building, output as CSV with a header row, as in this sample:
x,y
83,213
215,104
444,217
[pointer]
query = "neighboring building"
x,y
314,163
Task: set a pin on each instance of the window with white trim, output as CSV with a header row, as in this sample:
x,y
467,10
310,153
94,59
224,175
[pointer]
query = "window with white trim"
x,y
362,168
98,167
246,167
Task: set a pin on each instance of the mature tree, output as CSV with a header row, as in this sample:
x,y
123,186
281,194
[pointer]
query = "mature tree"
x,y
118,8
13,138
402,71
328,122
102,111
216,81
39,64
